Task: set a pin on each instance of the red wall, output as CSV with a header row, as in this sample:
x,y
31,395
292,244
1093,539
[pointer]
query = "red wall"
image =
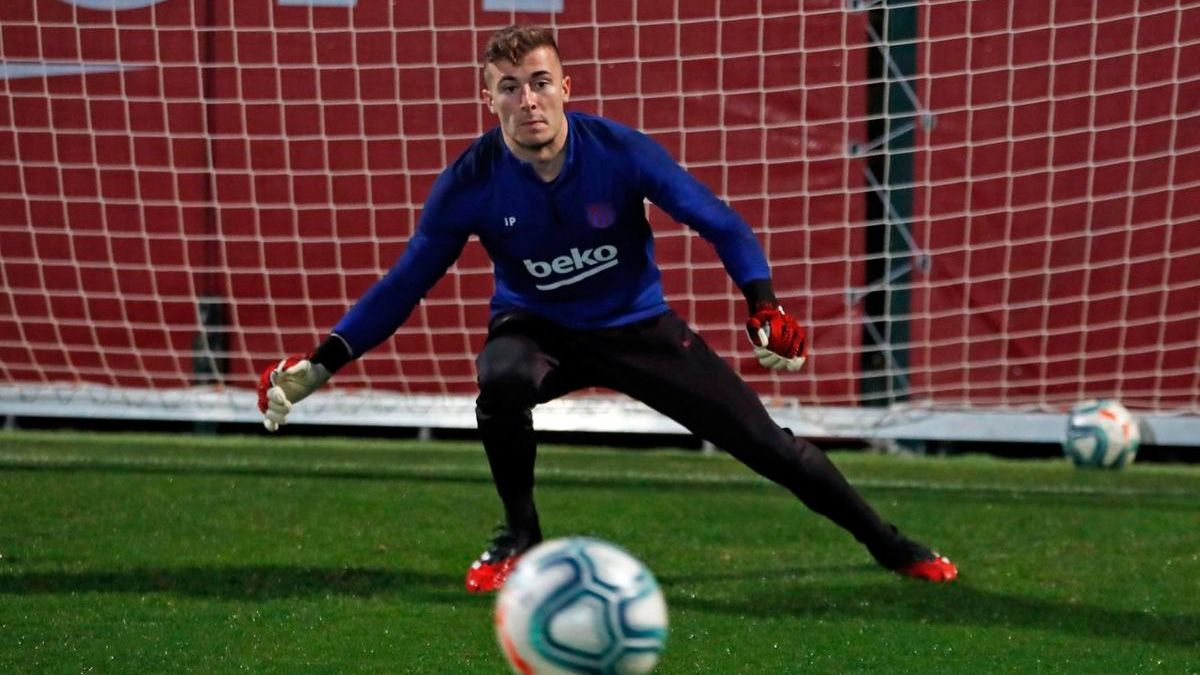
x,y
1062,205
277,157
294,180
102,192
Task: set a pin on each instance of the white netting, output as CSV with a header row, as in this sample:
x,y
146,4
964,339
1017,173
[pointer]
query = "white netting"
x,y
262,164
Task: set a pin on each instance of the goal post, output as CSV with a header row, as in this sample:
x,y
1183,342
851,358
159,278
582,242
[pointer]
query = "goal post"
x,y
984,212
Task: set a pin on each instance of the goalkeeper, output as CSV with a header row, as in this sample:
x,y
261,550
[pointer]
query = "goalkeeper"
x,y
557,200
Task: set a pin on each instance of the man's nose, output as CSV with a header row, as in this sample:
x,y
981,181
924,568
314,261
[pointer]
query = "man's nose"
x,y
527,98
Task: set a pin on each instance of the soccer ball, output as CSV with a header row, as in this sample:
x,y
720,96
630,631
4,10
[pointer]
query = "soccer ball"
x,y
581,605
1101,434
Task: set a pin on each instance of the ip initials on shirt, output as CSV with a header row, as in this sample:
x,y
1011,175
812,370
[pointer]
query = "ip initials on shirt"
x,y
509,221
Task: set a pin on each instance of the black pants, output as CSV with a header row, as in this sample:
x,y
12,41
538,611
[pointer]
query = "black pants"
x,y
664,364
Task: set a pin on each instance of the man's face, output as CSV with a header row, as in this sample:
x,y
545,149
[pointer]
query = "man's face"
x,y
528,99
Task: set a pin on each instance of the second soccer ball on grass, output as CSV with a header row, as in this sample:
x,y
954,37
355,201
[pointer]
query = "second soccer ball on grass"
x,y
1101,434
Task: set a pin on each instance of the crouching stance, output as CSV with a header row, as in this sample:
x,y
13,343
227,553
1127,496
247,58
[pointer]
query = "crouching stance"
x,y
557,200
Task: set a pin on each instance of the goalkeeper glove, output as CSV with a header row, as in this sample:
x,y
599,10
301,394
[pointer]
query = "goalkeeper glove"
x,y
286,383
780,342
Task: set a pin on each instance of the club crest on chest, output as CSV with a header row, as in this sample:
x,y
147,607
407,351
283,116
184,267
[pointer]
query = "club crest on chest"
x,y
600,216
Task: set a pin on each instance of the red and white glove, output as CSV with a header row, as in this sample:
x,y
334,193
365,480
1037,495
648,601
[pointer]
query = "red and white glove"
x,y
780,342
286,383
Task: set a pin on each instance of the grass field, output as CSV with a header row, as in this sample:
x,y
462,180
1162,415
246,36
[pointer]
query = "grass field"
x,y
179,554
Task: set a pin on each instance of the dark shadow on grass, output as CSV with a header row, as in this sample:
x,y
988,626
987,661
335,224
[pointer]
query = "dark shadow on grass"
x,y
958,604
248,582
776,576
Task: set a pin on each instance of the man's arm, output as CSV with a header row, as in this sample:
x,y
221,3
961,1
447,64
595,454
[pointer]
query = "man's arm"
x,y
688,201
779,341
437,243
388,303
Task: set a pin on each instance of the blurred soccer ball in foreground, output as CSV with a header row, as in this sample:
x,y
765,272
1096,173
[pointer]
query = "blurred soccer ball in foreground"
x,y
581,605
1101,434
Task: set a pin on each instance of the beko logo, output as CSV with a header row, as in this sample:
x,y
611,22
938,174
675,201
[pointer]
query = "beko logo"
x,y
587,262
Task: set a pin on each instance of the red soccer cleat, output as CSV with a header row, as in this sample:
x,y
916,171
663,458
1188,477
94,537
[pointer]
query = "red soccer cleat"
x,y
938,569
912,559
488,573
485,576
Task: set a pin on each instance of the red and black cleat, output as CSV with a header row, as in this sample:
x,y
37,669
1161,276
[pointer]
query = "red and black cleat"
x,y
938,569
486,575
914,560
489,572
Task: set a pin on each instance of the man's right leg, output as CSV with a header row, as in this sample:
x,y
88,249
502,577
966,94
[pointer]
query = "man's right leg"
x,y
510,369
515,374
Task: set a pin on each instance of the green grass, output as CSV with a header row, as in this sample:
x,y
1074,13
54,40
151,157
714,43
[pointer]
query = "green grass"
x,y
178,554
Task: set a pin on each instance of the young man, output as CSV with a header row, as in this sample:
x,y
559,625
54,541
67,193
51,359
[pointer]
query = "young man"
x,y
557,200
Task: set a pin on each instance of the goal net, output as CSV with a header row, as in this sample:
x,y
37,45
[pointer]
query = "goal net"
x,y
977,208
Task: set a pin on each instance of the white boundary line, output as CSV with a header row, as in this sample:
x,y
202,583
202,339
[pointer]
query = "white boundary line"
x,y
331,469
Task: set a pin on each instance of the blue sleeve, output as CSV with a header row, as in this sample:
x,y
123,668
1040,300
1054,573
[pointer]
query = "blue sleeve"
x,y
688,201
441,234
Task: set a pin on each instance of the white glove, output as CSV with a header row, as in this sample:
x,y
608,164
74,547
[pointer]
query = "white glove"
x,y
285,384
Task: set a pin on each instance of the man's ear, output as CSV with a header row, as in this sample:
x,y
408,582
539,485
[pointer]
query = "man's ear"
x,y
566,87
486,97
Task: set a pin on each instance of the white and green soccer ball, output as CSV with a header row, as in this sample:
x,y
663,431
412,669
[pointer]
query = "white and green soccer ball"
x,y
581,605
1101,434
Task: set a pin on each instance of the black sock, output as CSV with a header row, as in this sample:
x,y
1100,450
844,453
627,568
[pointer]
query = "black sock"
x,y
508,440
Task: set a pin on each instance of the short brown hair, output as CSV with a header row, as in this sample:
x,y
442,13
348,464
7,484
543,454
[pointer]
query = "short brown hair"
x,y
512,43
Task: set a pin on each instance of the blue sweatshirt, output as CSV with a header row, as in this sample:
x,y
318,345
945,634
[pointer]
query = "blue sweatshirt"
x,y
577,250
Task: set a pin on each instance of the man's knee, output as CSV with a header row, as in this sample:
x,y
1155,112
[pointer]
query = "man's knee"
x,y
509,390
507,379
